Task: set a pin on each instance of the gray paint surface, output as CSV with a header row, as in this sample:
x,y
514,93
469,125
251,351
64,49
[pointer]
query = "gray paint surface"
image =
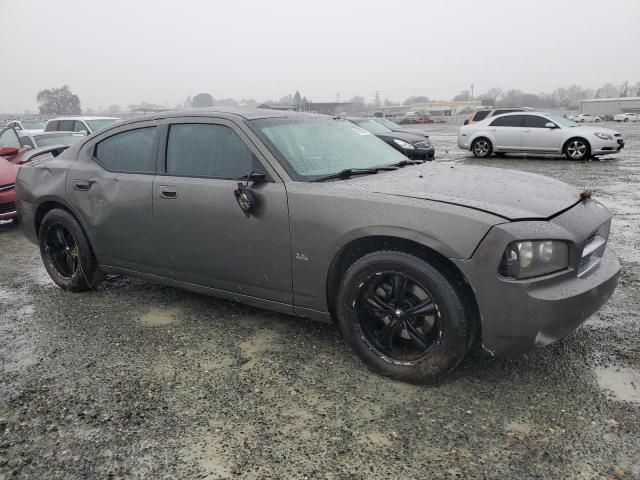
x,y
280,257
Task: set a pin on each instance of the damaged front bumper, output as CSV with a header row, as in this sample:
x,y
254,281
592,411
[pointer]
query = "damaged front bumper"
x,y
519,315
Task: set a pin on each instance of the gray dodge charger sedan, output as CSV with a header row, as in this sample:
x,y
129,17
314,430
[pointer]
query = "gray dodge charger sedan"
x,y
316,217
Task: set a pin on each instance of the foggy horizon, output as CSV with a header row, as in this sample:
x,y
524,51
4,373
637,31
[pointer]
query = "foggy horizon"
x,y
123,53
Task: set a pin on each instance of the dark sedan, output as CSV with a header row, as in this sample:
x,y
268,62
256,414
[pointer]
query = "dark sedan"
x,y
414,146
316,217
398,128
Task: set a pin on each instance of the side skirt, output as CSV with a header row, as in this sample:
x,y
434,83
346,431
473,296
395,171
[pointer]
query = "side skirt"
x,y
213,292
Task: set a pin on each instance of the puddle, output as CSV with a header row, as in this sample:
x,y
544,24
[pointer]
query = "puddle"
x,y
623,383
159,317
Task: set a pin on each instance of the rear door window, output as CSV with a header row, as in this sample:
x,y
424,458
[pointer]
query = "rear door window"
x,y
508,121
66,125
207,150
132,151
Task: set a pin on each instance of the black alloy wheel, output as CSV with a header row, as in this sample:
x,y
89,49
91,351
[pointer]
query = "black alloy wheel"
x,y
66,252
62,250
398,317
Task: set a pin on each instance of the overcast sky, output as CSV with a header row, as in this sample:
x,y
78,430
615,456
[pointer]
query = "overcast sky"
x,y
159,51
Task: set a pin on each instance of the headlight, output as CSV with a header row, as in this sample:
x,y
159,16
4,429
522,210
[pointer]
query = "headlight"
x,y
527,259
603,136
403,144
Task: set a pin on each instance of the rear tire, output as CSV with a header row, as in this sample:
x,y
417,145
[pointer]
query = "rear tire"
x,y
66,252
403,317
482,147
626,120
577,149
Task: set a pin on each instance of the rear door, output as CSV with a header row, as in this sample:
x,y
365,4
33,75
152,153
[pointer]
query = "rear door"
x,y
203,235
507,132
110,185
537,137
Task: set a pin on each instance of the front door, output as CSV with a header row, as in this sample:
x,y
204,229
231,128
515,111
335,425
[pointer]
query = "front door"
x,y
507,132
205,237
537,137
110,185
9,138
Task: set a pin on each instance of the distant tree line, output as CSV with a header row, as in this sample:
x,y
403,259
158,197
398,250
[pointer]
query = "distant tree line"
x,y
62,101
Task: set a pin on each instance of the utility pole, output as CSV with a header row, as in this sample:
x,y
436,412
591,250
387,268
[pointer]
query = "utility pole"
x,y
377,98
472,91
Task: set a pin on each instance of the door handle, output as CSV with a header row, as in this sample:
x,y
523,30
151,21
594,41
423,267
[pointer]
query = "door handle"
x,y
526,130
168,192
82,185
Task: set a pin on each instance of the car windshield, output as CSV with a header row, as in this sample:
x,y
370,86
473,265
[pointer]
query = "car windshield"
x,y
33,125
101,123
373,127
565,122
311,148
388,123
46,140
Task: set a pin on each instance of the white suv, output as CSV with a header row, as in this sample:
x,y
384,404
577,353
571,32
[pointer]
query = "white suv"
x,y
84,125
537,133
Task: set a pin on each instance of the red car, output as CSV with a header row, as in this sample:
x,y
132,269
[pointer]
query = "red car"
x,y
12,154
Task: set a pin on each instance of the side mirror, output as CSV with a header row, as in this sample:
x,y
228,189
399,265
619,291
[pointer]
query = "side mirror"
x,y
84,132
8,151
550,125
247,198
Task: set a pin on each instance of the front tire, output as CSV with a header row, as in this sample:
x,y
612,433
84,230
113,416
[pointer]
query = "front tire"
x,y
66,252
403,317
577,149
626,120
481,147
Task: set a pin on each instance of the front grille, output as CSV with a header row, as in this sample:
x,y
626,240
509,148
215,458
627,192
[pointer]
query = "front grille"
x,y
594,250
6,188
7,208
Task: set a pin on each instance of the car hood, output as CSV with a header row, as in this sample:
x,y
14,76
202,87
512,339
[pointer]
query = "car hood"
x,y
407,137
412,131
8,172
510,194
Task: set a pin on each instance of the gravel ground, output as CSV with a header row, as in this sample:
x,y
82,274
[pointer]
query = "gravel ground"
x,y
138,380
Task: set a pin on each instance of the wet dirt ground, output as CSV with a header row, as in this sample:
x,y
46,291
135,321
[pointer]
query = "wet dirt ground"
x,y
138,380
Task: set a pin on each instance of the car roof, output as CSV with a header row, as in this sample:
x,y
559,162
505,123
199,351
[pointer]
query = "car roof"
x,y
83,118
246,114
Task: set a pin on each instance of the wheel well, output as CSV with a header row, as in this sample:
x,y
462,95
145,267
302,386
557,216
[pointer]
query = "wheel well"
x,y
360,247
481,137
46,207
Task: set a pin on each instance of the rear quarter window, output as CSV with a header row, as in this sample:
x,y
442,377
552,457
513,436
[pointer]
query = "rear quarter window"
x,y
52,126
480,115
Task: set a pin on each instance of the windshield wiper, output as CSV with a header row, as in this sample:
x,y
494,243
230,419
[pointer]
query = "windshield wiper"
x,y
346,173
404,163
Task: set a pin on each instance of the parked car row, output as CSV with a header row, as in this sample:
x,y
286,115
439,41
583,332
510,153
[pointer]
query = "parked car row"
x,y
18,137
